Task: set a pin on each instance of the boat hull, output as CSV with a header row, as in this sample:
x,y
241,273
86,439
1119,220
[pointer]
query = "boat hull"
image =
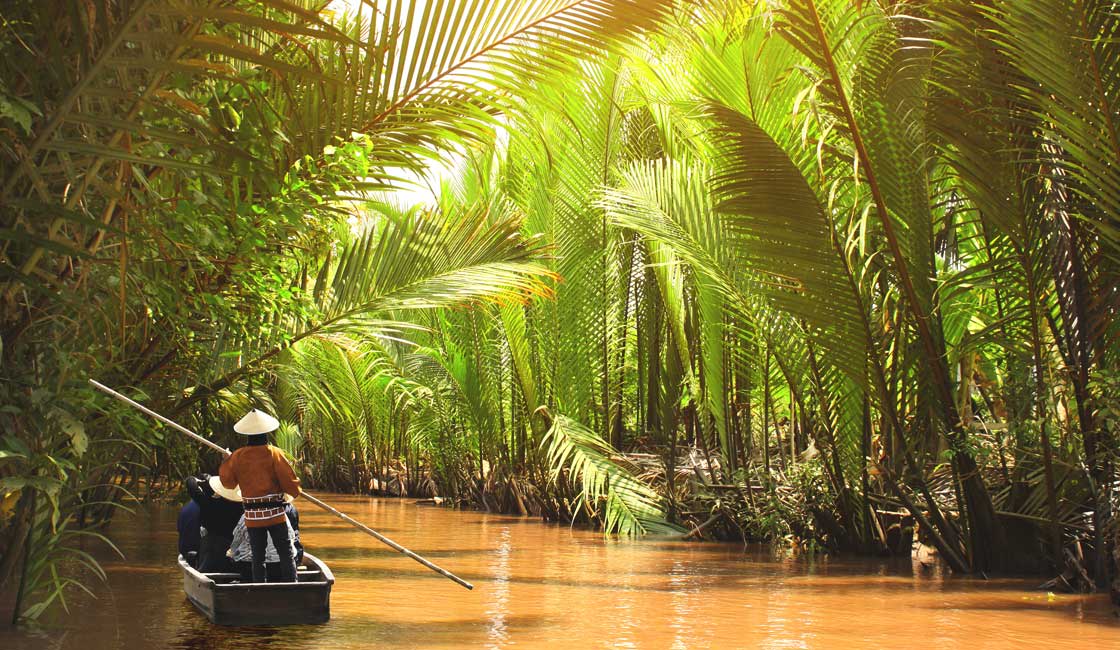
x,y
224,602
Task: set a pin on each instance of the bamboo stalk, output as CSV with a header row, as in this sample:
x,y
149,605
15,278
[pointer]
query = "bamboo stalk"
x,y
313,499
400,549
174,425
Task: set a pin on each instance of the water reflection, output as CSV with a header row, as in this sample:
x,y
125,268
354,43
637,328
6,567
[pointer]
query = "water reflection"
x,y
684,618
499,594
543,586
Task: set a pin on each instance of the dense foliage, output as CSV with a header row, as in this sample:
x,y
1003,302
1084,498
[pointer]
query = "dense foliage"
x,y
843,268
829,271
179,181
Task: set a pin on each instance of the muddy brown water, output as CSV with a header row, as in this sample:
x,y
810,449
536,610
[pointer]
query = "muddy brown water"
x,y
547,586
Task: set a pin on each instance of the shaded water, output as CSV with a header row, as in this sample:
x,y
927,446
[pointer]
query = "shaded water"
x,y
545,586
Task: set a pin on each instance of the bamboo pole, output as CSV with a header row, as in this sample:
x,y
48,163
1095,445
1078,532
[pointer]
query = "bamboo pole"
x,y
174,425
400,549
313,499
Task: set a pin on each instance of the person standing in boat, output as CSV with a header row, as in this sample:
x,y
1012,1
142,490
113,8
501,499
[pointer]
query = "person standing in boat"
x,y
264,476
241,555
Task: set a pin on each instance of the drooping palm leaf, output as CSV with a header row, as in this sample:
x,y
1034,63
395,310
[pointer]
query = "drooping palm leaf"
x,y
629,506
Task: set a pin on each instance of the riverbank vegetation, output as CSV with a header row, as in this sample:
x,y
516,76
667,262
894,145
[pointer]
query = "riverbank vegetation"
x,y
834,273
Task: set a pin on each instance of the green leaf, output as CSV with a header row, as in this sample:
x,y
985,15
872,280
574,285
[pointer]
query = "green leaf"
x,y
630,506
47,485
77,432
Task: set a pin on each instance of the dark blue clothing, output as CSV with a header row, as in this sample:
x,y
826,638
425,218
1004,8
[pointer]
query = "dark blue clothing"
x,y
187,525
258,540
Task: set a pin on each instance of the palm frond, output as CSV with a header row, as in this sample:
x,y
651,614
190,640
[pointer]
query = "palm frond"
x,y
425,263
629,506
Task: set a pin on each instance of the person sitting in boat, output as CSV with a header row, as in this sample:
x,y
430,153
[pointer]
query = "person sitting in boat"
x,y
188,528
263,474
219,511
241,555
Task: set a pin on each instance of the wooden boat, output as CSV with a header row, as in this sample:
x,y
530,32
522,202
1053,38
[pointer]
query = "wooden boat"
x,y
223,599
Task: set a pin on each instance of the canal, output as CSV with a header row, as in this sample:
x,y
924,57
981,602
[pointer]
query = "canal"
x,y
547,586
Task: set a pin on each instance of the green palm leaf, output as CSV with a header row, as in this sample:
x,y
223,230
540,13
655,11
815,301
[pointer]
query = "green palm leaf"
x,y
629,506
427,262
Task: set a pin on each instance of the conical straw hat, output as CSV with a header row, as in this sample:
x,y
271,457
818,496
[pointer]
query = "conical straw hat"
x,y
256,422
223,491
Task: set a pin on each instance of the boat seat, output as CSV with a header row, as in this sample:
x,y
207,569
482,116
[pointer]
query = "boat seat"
x,y
304,575
222,577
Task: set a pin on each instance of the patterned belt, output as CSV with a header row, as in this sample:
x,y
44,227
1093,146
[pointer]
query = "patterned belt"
x,y
263,507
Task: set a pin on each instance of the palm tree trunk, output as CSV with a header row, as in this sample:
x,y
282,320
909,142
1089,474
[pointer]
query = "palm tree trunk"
x,y
766,414
1072,284
987,532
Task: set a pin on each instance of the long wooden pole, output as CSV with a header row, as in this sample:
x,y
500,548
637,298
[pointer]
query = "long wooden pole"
x,y
313,499
174,425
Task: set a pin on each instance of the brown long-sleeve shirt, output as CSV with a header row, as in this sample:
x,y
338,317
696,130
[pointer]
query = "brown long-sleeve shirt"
x,y
260,470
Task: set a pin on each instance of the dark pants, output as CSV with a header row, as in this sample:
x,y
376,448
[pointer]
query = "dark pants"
x,y
258,542
212,554
271,571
